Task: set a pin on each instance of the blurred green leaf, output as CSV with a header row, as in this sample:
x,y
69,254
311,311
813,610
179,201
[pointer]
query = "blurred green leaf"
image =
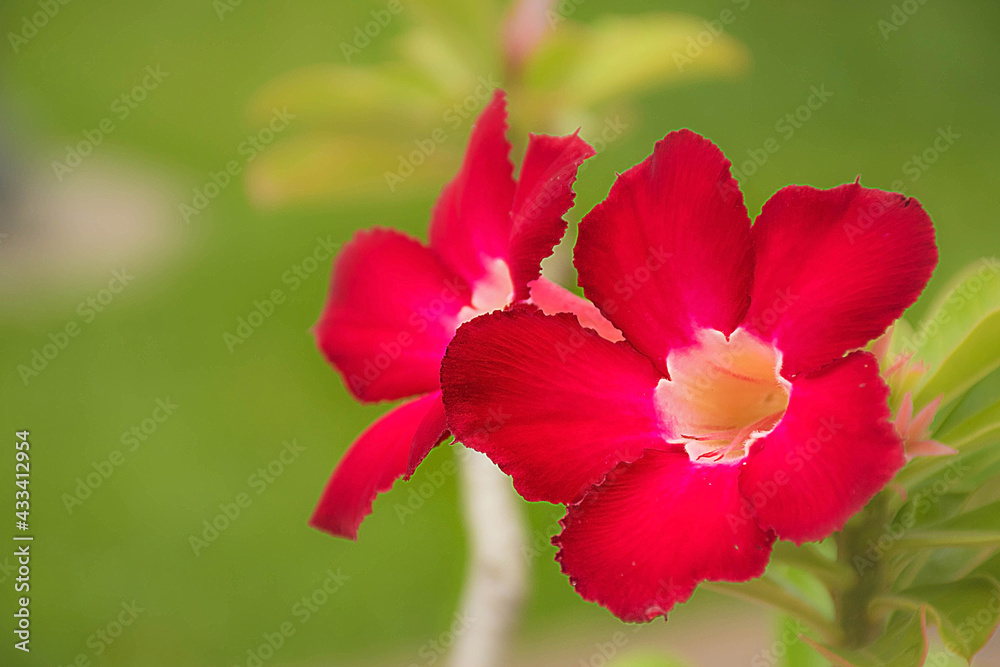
x,y
317,166
467,29
975,415
946,564
962,328
451,70
796,653
966,612
346,98
904,644
586,65
981,519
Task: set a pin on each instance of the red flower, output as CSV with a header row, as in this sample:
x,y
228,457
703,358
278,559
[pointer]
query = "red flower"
x,y
725,414
394,303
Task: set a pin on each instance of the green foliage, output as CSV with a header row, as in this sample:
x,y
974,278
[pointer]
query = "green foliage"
x,y
962,329
620,56
903,644
450,59
966,612
927,549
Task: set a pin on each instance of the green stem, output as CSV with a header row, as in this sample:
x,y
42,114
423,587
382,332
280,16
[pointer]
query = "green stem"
x,y
807,557
931,539
895,602
770,593
852,603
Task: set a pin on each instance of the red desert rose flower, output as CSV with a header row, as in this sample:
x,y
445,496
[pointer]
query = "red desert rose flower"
x,y
394,303
725,413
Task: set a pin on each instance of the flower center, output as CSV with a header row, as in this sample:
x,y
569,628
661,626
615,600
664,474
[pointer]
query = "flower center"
x,y
491,292
722,394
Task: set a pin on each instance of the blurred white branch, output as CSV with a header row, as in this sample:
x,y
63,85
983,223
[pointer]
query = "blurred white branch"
x,y
496,582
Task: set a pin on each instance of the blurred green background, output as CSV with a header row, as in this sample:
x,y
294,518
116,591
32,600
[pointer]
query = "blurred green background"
x,y
162,336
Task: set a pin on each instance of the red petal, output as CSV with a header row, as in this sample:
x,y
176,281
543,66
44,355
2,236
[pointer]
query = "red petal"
x,y
392,309
471,220
553,298
553,404
544,194
835,268
669,251
832,451
376,459
429,434
640,542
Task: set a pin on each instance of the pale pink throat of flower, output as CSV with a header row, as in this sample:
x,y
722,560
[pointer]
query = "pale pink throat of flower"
x,y
722,395
491,292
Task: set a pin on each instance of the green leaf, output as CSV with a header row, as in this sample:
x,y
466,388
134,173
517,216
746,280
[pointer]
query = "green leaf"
x,y
582,66
904,644
966,612
957,339
319,167
982,520
935,539
352,98
468,29
455,71
938,486
942,565
975,415
788,648
984,396
990,567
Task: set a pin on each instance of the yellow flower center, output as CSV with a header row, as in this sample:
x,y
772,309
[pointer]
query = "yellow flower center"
x,y
722,394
